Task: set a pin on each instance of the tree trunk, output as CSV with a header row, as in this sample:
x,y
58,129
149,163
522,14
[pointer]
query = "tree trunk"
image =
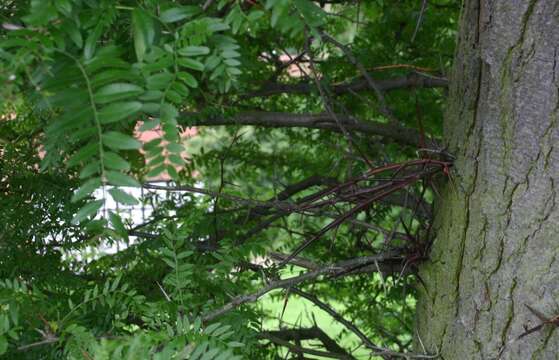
x,y
496,232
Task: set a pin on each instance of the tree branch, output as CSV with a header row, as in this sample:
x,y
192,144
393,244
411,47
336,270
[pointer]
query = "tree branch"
x,y
394,132
286,335
412,80
301,350
350,326
344,268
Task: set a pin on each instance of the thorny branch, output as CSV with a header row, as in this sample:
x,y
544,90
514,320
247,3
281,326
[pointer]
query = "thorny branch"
x,y
330,110
343,267
379,351
282,337
383,107
299,334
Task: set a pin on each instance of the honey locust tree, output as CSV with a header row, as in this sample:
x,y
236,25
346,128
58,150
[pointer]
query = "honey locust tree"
x,y
491,280
318,155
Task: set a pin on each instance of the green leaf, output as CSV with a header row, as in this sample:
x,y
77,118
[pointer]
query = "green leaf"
x,y
118,111
217,25
174,97
221,330
85,153
90,169
119,179
234,71
159,159
117,91
232,62
140,45
91,42
277,12
210,328
188,79
210,354
87,210
118,225
194,51
218,72
170,132
64,6
74,33
255,15
150,124
84,134
106,58
235,344
155,172
230,54
161,63
175,148
184,254
169,113
151,108
151,95
191,64
212,62
122,197
178,13
313,14
114,286
119,141
176,159
111,76
86,189
153,145
143,32
171,263
200,349
115,161
159,81
3,344
172,172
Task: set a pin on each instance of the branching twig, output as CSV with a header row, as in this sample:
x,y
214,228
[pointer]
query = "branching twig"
x,y
300,350
330,110
332,270
383,108
285,335
419,19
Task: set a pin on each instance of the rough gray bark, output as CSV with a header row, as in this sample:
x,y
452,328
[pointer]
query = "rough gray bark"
x,y
496,235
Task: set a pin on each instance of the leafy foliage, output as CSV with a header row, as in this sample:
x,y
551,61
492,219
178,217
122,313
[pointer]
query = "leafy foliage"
x,y
84,78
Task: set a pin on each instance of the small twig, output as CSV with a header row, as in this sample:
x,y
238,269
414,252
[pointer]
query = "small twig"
x,y
163,291
419,19
401,66
329,310
298,261
544,321
330,110
383,108
207,4
38,343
